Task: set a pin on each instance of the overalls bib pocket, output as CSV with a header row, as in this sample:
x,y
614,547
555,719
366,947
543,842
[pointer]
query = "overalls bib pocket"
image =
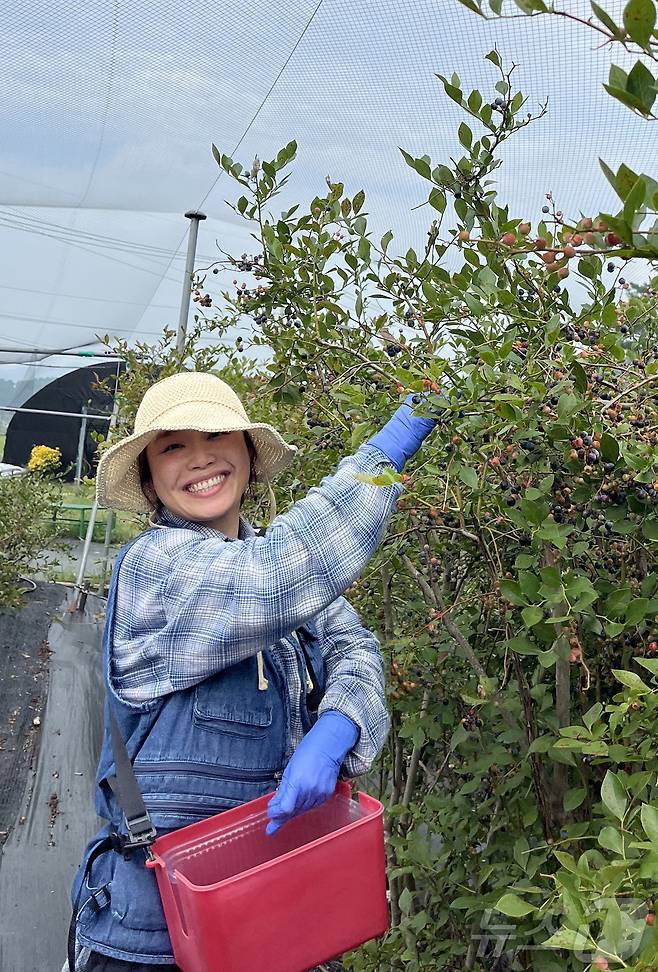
x,y
244,727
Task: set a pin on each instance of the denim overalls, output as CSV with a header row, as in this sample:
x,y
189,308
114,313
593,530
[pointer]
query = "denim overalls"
x,y
195,753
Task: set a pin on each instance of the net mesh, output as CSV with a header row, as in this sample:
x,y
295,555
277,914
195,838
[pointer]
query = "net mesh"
x,y
112,108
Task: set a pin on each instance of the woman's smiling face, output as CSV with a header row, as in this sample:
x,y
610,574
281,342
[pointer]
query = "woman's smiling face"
x,y
201,475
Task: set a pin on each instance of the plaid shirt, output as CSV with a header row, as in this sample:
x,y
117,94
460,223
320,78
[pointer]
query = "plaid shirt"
x,y
190,604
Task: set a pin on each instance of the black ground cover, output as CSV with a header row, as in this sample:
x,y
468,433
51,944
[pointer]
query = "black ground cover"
x,y
24,658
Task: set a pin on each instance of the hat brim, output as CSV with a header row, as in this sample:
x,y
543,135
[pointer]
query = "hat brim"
x,y
118,483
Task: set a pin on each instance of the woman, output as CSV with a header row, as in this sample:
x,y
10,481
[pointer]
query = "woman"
x,y
232,662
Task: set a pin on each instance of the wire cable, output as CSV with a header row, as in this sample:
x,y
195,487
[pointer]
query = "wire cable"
x,y
252,120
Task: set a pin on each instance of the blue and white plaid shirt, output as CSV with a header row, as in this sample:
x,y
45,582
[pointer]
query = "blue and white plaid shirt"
x,y
190,604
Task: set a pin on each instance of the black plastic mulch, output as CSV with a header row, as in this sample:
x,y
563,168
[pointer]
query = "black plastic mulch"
x,y
24,658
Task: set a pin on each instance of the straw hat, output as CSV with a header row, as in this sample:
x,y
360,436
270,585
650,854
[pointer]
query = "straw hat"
x,y
189,400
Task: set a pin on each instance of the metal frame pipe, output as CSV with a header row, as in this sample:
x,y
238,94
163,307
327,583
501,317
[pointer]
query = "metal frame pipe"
x,y
195,218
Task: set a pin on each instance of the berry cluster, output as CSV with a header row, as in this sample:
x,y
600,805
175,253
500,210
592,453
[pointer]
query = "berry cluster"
x,y
402,685
203,300
472,721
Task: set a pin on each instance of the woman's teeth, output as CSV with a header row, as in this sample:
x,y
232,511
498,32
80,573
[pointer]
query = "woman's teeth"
x,y
207,484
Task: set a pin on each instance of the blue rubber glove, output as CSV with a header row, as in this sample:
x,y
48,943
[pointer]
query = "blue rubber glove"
x,y
311,775
403,434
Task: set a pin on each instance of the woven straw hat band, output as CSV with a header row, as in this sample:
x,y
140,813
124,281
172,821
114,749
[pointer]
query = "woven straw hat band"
x,y
189,400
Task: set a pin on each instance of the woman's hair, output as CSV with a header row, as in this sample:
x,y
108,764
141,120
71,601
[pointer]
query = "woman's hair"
x,y
147,483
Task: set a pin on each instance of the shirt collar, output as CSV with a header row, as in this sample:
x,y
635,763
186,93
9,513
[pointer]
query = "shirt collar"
x,y
165,517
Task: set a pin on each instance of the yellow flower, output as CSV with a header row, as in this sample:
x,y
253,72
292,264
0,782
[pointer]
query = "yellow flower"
x,y
44,459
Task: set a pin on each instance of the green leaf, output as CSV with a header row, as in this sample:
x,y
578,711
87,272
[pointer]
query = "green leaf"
x,y
580,377
651,664
469,476
634,202
494,57
617,603
613,795
567,938
650,529
611,931
474,101
465,135
285,155
642,84
406,902
421,166
437,200
567,405
529,584
609,447
523,646
611,839
640,20
631,680
472,5
567,861
387,477
532,616
531,6
649,818
512,592
593,715
358,201
514,906
606,19
637,610
574,798
626,98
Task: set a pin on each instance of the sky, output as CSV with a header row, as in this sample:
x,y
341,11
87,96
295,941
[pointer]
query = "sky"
x,y
110,108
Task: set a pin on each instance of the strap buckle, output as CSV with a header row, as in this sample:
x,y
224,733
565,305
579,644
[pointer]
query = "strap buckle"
x,y
141,834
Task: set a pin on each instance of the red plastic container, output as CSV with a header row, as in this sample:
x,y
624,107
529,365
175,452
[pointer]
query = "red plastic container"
x,y
237,900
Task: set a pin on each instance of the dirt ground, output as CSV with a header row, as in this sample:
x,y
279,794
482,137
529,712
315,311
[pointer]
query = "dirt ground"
x,y
24,663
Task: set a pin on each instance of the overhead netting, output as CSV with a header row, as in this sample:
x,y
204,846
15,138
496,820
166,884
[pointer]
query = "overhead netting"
x,y
110,108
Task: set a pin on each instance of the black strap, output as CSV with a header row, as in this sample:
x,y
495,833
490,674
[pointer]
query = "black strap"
x,y
124,786
141,832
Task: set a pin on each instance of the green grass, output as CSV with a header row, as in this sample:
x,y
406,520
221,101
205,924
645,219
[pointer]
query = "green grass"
x,y
126,525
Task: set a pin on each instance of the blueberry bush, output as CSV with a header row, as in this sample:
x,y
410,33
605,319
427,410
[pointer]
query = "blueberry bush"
x,y
516,592
27,506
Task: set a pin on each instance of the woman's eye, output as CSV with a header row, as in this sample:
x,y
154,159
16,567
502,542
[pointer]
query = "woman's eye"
x,y
172,445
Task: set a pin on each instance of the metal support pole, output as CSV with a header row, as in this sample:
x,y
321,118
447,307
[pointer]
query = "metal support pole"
x,y
109,526
81,445
48,411
195,218
79,602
